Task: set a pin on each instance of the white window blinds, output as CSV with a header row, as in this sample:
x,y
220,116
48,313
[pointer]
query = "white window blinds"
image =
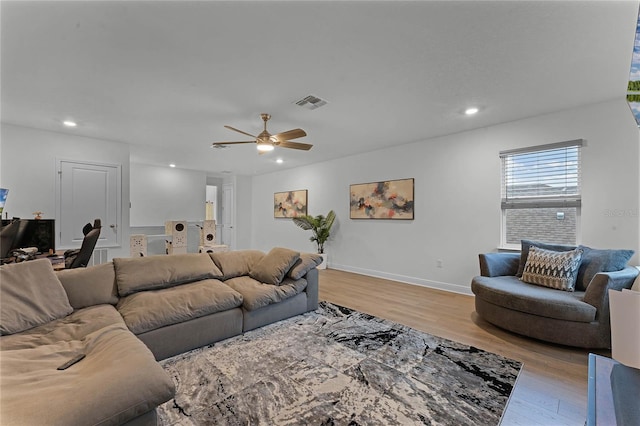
x,y
542,176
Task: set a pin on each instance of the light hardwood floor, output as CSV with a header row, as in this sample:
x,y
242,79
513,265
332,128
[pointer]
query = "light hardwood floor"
x,y
552,386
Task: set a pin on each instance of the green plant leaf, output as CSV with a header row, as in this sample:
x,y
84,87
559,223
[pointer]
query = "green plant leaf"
x,y
320,226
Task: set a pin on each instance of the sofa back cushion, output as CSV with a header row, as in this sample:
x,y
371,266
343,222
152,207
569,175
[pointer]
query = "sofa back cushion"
x,y
272,268
95,285
156,272
236,263
597,260
30,295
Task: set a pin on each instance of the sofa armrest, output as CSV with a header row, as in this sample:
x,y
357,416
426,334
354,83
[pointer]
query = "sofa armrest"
x,y
499,264
597,293
312,289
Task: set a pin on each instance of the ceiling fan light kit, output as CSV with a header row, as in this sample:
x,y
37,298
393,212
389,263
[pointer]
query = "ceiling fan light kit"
x,y
266,142
265,147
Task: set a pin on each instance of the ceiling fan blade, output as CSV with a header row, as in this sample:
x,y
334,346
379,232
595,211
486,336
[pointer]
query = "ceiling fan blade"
x,y
231,143
290,134
295,145
240,131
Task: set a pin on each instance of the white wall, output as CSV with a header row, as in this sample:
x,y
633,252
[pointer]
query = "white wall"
x,y
457,197
28,169
159,194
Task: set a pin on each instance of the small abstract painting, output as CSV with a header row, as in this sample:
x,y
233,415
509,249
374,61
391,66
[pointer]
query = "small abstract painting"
x,y
391,199
290,204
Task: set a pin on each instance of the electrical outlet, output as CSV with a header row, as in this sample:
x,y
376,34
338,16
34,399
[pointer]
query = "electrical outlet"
x,y
439,263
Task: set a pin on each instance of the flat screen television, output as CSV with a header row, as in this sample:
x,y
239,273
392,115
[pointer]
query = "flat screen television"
x,y
40,233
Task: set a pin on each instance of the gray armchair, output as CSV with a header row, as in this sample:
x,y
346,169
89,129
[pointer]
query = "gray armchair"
x,y
579,318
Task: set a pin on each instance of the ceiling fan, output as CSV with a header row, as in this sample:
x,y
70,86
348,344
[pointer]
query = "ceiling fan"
x,y
267,142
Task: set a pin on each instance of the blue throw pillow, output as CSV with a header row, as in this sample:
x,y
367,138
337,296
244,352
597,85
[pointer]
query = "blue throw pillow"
x,y
596,260
524,253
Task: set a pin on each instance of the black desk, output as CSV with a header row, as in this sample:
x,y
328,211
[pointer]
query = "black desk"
x,y
40,233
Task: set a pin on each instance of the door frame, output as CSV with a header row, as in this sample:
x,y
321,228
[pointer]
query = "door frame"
x,y
230,231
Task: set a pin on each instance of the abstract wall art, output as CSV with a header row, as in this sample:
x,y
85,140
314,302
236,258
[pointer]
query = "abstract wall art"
x,y
391,199
290,204
633,91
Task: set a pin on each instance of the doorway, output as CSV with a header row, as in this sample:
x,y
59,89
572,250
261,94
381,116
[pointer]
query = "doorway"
x,y
88,191
228,216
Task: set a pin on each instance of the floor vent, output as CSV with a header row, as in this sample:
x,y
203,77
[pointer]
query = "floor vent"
x,y
311,102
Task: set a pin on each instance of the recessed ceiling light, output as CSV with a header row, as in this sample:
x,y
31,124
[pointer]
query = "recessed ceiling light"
x,y
172,165
471,111
69,123
279,161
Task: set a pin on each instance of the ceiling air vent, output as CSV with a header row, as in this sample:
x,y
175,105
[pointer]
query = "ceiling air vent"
x,y
311,102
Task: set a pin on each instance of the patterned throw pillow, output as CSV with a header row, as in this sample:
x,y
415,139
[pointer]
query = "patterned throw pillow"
x,y
553,269
524,252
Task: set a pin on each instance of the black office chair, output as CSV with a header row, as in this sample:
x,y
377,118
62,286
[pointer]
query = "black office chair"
x,y
79,258
11,236
7,237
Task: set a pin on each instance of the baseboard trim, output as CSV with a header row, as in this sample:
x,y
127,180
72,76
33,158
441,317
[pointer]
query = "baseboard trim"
x,y
454,288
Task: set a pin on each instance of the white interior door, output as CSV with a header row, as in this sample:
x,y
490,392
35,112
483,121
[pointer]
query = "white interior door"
x,y
88,191
228,216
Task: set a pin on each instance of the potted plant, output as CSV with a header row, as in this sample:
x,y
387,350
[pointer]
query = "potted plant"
x,y
320,226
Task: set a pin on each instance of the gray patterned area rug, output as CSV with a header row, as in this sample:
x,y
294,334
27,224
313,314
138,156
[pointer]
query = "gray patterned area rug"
x,y
337,366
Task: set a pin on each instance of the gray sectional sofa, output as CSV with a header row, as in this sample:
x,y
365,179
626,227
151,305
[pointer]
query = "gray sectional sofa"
x,y
579,317
124,316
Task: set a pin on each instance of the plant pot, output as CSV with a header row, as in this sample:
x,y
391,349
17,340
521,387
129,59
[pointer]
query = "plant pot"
x,y
323,265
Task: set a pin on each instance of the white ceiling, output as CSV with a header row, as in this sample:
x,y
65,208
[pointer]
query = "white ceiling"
x,y
165,76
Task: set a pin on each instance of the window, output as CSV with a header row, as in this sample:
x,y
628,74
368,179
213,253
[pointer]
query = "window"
x,y
541,194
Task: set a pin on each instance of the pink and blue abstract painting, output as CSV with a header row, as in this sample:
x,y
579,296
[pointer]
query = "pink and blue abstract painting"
x,y
290,204
633,91
390,199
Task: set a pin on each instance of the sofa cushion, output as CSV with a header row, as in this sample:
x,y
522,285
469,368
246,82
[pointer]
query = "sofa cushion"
x,y
257,295
236,263
553,269
149,310
511,293
524,252
118,380
30,295
75,326
307,262
155,272
90,286
272,268
596,260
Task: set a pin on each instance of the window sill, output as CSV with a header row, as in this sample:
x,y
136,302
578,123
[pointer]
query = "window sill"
x,y
509,248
